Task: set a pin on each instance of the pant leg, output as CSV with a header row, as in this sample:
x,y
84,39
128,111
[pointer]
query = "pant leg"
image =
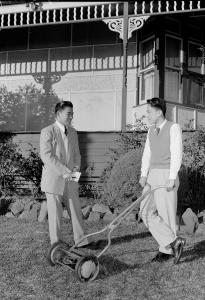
x,y
150,208
55,212
73,205
157,227
166,204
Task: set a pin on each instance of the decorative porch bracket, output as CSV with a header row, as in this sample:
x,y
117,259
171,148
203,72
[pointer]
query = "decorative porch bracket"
x,y
134,23
47,80
125,27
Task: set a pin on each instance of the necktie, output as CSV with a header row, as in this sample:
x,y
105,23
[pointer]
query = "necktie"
x,y
157,130
66,131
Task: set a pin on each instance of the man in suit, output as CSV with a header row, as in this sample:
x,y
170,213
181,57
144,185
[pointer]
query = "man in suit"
x,y
59,151
161,162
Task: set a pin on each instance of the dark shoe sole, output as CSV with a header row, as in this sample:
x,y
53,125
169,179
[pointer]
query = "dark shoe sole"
x,y
161,257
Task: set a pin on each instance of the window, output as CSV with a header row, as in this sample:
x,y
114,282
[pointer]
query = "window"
x,y
147,53
173,64
195,92
194,58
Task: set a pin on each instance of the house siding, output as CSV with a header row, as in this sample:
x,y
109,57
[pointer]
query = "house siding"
x,y
94,148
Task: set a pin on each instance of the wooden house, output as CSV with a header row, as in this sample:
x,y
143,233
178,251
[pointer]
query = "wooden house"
x,y
107,58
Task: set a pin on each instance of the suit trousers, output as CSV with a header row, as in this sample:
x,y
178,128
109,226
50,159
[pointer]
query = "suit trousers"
x,y
55,211
158,210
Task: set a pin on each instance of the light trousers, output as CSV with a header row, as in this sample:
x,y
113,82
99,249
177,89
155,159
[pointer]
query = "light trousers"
x,y
158,210
55,211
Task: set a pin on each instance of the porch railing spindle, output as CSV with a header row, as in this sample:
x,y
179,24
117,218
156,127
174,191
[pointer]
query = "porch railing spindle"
x,y
135,8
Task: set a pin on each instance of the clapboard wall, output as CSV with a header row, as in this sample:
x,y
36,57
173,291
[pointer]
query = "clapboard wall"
x,y
94,148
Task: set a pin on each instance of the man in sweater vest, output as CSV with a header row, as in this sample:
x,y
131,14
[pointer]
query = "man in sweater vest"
x,y
161,162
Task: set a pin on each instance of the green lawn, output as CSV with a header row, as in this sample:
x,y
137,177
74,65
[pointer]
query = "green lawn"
x,y
126,271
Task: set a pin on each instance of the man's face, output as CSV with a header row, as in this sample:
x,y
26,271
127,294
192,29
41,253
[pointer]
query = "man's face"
x,y
153,114
65,116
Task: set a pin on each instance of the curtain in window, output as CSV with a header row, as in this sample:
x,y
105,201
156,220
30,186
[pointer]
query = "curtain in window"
x,y
195,88
194,59
147,53
195,91
147,69
172,69
147,91
171,85
173,47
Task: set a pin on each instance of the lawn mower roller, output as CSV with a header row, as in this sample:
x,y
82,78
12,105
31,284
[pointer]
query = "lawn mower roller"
x,y
87,266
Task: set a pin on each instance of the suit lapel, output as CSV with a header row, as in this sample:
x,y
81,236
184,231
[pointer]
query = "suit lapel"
x,y
69,145
59,141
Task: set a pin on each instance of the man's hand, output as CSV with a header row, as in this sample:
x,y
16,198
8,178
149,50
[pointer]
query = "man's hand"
x,y
143,181
68,175
170,185
76,169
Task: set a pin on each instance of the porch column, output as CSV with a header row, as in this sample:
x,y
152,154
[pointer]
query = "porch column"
x,y
125,26
124,75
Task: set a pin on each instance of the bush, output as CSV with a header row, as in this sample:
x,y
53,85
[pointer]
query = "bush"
x,y
10,157
119,180
13,164
119,176
122,183
132,139
194,150
192,173
30,169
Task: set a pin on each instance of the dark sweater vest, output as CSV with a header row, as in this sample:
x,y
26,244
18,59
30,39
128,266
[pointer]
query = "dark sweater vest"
x,y
160,147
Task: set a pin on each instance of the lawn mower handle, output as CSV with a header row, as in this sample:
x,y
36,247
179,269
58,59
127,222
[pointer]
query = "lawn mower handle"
x,y
111,226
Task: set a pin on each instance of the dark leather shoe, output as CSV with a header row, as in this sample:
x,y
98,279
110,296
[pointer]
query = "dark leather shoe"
x,y
160,257
177,247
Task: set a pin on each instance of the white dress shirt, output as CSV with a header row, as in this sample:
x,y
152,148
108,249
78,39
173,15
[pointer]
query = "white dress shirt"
x,y
65,140
175,150
62,129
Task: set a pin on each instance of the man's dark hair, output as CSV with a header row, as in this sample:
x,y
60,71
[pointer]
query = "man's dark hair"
x,y
158,103
62,105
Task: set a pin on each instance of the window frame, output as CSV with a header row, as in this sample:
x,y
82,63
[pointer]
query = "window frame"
x,y
146,70
178,69
188,50
199,75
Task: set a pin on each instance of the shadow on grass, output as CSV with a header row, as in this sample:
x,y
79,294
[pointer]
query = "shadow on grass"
x,y
123,239
111,266
194,253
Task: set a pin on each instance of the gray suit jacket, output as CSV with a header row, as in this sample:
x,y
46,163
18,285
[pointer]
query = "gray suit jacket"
x,y
56,162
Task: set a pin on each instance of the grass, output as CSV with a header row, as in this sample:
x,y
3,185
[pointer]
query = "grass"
x,y
126,270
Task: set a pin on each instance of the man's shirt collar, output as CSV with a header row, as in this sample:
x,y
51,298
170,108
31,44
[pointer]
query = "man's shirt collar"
x,y
61,126
162,124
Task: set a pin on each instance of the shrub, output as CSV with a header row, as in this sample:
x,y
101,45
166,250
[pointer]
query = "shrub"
x,y
119,180
30,168
122,183
192,173
119,175
194,150
10,157
132,139
13,164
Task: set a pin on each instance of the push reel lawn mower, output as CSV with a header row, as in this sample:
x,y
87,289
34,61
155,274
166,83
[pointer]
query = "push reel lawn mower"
x,y
86,266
